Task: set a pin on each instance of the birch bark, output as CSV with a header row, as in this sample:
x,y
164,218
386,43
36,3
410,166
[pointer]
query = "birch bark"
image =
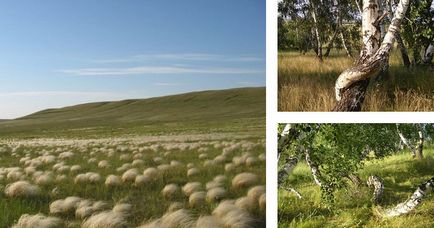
x,y
351,85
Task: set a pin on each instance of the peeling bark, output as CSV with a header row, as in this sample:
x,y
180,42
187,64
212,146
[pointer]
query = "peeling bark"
x,y
416,151
377,184
413,201
419,151
289,165
313,167
351,85
283,174
292,190
398,38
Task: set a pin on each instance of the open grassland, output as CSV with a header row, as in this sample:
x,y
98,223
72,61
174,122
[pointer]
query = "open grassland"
x,y
180,181
231,110
307,85
353,207
189,160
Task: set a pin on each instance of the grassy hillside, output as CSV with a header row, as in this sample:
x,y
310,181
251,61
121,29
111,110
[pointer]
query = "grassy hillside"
x,y
206,111
401,175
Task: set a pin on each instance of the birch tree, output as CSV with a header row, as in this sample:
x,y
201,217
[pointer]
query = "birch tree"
x,y
351,85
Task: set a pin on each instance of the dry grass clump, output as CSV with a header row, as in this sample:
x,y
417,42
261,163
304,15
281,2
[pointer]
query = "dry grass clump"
x,y
123,208
38,221
215,194
255,192
180,219
244,180
152,173
169,191
106,219
193,172
233,216
142,180
246,203
113,181
87,178
130,175
197,199
262,202
65,206
209,222
191,187
22,189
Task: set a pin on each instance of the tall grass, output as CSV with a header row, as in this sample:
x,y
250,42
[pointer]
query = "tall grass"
x,y
401,175
307,85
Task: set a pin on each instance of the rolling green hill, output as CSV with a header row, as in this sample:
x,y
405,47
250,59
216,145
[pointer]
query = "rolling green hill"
x,y
206,111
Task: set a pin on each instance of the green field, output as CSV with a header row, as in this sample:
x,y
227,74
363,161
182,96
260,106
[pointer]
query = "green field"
x,y
197,112
353,207
207,138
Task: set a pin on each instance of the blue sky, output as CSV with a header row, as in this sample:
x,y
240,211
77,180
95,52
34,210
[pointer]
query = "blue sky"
x,y
56,53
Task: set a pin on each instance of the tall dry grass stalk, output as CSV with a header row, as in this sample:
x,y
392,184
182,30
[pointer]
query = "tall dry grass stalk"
x,y
307,85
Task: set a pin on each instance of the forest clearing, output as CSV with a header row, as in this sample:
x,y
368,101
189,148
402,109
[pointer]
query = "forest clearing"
x,y
356,175
368,55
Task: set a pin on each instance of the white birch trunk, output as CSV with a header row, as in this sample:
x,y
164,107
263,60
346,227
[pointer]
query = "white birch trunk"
x,y
317,36
314,169
367,67
405,141
419,151
377,184
429,53
371,33
415,200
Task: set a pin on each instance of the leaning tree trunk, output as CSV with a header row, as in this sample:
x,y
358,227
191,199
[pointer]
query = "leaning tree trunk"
x,y
351,85
375,182
284,173
398,38
415,199
313,167
419,151
405,142
344,44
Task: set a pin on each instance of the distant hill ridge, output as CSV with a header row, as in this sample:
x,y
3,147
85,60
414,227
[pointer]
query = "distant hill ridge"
x,y
230,105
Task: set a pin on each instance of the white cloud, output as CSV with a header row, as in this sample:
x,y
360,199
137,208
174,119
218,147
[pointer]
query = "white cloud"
x,y
183,57
157,70
168,84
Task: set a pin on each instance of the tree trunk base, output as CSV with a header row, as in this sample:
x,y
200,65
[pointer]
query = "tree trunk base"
x,y
352,98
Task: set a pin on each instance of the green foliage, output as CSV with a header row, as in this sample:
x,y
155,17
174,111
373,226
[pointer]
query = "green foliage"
x,y
353,207
418,28
340,149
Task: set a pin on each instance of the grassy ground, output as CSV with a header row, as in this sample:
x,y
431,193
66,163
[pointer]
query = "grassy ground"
x,y
173,131
147,201
307,85
401,175
231,110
